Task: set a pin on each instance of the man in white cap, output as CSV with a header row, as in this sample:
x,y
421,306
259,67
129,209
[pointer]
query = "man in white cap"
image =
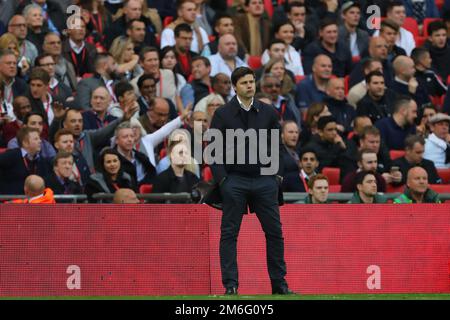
x,y
437,145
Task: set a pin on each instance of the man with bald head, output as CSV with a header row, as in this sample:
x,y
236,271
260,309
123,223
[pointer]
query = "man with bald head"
x,y
313,88
156,116
378,49
417,190
98,116
18,27
226,59
125,196
36,192
338,105
405,82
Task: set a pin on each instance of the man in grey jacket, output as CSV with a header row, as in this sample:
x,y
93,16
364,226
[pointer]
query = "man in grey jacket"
x,y
354,38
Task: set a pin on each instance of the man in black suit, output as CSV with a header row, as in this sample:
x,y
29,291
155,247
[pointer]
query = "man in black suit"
x,y
251,183
14,86
59,179
298,181
17,164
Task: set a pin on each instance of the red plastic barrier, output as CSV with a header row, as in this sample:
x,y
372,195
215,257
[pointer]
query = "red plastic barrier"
x,y
173,250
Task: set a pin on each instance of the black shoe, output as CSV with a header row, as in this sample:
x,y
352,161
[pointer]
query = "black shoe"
x,y
282,290
231,291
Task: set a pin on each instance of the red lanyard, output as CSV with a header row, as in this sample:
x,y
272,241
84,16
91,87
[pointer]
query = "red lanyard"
x,y
160,84
305,184
210,89
54,91
97,22
75,61
283,109
115,186
10,96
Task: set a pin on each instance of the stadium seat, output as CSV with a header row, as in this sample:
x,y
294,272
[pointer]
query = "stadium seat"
x,y
395,154
346,84
3,150
437,101
394,189
420,41
167,21
146,188
411,25
444,174
207,174
440,188
162,153
254,62
332,174
211,38
268,7
299,78
334,188
426,22
439,4
158,39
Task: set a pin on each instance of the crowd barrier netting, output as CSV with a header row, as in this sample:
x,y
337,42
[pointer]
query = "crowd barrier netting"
x,y
118,250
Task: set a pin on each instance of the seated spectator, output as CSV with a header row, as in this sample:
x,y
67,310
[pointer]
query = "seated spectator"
x,y
122,50
186,15
36,192
423,128
223,24
21,107
390,31
17,164
125,196
176,178
318,188
289,153
37,30
136,31
8,41
18,27
437,145
52,12
298,181
99,18
366,192
417,190
353,37
312,89
284,105
338,106
277,67
59,179
126,97
396,128
420,10
13,85
359,90
182,50
226,59
35,120
328,44
57,89
405,82
156,116
221,84
136,164
285,31
98,116
414,151
252,27
147,92
314,113
275,51
64,142
109,177
439,49
200,86
425,76
367,162
171,59
378,103
327,144
77,50
209,105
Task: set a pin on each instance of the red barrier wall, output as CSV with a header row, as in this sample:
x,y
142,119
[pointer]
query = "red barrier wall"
x,y
173,250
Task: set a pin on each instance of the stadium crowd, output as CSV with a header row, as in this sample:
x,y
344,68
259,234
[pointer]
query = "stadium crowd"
x,y
107,100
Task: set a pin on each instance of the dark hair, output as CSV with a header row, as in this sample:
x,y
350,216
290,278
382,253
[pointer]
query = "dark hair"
x,y
30,114
316,177
323,121
61,155
389,23
179,3
327,22
294,4
101,161
145,50
362,152
23,134
372,74
412,139
369,130
100,57
37,60
121,87
400,102
435,26
275,41
201,58
144,77
307,150
182,27
240,73
37,73
418,53
219,16
394,3
278,26
360,176
366,63
130,23
162,54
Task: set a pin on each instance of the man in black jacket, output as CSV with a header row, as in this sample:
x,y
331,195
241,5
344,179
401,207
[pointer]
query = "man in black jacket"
x,y
59,179
253,183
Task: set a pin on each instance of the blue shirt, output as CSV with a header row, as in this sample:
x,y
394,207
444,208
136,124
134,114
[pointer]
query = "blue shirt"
x,y
392,134
306,92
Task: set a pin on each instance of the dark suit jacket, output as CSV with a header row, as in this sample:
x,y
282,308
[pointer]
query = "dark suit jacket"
x,y
228,116
91,53
404,165
293,183
52,182
130,168
13,171
166,181
19,87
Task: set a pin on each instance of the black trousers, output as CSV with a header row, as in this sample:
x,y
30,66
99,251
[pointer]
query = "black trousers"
x,y
261,193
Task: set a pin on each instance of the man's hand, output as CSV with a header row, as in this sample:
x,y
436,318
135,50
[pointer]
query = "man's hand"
x,y
186,113
58,109
129,110
412,85
397,176
387,177
338,140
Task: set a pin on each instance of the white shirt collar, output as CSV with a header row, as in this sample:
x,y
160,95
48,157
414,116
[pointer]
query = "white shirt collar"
x,y
53,83
243,106
400,80
76,48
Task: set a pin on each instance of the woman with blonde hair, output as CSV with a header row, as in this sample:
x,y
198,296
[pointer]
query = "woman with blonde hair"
x,y
209,104
122,50
277,67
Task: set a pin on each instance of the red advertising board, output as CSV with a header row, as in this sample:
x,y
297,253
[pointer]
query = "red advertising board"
x,y
113,250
